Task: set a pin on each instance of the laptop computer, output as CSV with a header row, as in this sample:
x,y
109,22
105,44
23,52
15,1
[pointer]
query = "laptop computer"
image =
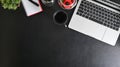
x,y
99,19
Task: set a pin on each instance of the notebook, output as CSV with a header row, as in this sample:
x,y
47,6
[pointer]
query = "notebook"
x,y
32,7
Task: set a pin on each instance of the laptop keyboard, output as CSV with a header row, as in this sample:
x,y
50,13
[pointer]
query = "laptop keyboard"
x,y
99,14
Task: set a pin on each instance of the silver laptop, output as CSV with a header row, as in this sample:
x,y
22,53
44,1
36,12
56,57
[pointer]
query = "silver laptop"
x,y
99,19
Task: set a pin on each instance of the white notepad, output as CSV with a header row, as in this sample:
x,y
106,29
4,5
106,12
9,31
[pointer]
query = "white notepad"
x,y
31,8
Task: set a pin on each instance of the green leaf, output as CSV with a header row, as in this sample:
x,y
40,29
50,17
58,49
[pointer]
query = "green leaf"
x,y
10,4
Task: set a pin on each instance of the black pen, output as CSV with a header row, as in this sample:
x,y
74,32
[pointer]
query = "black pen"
x,y
34,2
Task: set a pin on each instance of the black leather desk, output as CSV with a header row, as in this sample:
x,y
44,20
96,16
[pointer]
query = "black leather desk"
x,y
37,42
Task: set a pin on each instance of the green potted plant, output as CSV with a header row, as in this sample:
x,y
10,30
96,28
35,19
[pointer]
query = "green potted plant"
x,y
10,4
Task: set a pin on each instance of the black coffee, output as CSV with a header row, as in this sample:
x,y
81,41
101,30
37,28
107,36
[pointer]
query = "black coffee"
x,y
60,17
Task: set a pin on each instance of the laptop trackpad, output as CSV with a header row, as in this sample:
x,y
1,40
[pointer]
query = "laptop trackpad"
x,y
111,36
87,27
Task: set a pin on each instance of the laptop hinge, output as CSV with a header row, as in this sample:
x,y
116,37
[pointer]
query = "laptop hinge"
x,y
106,5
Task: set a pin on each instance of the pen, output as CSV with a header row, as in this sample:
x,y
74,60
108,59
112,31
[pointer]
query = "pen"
x,y
34,3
